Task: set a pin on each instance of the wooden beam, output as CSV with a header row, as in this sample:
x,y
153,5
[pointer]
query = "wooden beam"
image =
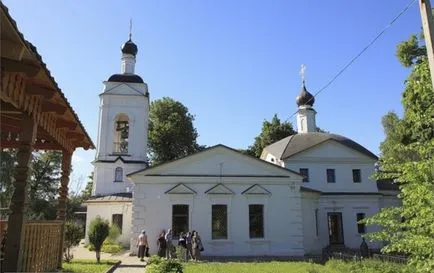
x,y
37,90
16,66
12,50
63,123
12,144
57,108
74,135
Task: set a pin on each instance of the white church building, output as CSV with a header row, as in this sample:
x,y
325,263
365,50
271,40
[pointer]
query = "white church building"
x,y
306,192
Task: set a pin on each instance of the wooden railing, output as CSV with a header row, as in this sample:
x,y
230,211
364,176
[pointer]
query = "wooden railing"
x,y
41,245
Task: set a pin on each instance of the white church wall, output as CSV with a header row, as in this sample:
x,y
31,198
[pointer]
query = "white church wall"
x,y
136,108
311,239
349,206
283,229
105,210
104,174
343,160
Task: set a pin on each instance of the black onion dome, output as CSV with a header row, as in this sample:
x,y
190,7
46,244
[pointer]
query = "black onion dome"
x,y
133,78
305,98
129,48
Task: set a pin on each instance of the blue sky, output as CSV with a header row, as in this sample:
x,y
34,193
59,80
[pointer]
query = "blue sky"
x,y
232,63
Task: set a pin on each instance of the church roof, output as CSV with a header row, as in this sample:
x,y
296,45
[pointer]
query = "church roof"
x,y
129,48
305,97
133,78
297,143
114,197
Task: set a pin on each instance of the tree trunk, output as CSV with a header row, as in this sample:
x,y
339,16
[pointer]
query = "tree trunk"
x,y
98,256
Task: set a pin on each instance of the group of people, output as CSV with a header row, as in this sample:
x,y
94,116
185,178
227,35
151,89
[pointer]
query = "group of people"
x,y
190,243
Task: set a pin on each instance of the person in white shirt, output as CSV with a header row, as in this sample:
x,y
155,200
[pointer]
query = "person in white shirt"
x,y
142,243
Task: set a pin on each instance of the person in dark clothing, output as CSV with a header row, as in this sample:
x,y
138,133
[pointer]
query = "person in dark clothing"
x,y
188,241
162,245
182,242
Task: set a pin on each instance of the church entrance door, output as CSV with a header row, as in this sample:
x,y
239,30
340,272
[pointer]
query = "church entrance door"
x,y
336,231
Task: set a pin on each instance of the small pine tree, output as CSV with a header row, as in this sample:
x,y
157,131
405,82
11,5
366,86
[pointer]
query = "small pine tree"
x,y
98,232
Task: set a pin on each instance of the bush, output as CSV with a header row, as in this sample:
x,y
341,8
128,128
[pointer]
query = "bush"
x,y
98,232
111,247
114,233
73,235
157,265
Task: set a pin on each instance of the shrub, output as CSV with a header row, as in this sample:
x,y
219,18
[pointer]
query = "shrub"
x,y
98,232
73,235
114,233
111,247
157,265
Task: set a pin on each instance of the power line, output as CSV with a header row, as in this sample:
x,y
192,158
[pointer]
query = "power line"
x,y
359,54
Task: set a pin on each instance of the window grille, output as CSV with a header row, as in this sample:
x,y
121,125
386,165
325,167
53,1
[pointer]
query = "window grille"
x,y
179,219
117,220
219,222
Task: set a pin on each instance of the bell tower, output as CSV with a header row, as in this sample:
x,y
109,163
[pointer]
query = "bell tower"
x,y
122,127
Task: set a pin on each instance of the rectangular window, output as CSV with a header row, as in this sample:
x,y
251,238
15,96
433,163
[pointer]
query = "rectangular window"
x,y
357,178
256,221
117,220
331,178
305,173
316,222
219,222
361,228
179,219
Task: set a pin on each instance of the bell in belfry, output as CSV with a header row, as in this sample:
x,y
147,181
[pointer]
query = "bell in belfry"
x,y
124,133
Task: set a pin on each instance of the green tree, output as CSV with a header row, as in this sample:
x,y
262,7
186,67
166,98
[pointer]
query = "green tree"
x,y
44,185
171,131
407,157
7,166
87,192
73,235
98,232
271,132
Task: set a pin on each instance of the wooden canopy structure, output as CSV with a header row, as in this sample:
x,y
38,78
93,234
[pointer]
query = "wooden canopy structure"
x,y
34,115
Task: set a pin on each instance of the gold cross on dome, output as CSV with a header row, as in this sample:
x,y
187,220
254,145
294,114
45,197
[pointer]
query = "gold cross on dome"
x,y
131,27
303,72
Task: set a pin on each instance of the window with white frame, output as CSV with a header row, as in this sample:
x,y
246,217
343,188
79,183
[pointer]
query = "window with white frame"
x,y
256,221
361,227
179,219
119,173
219,222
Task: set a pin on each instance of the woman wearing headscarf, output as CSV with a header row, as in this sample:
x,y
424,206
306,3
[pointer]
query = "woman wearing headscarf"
x,y
197,245
162,246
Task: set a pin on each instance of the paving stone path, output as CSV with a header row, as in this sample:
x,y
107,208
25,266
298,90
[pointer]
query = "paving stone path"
x,y
129,264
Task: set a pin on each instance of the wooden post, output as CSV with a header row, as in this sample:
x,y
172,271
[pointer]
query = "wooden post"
x,y
15,237
63,195
428,33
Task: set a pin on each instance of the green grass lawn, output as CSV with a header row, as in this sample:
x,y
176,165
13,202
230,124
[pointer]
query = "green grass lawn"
x,y
87,266
293,267
263,267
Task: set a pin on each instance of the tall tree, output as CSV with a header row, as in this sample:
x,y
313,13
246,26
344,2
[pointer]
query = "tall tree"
x,y
44,184
407,157
171,131
271,132
7,166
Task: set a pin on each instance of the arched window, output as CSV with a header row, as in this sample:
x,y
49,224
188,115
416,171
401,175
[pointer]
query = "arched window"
x,y
121,134
119,173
